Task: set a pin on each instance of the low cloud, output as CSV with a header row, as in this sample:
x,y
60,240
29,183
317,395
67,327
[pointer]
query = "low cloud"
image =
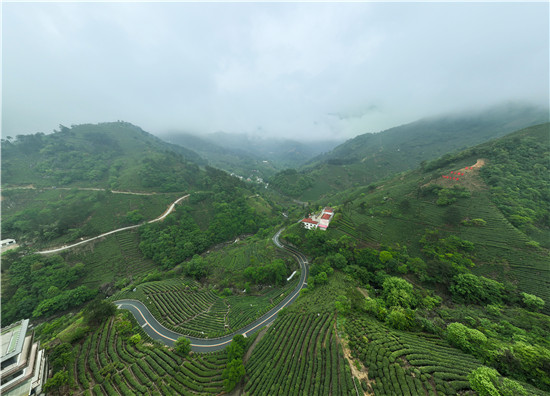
x,y
300,70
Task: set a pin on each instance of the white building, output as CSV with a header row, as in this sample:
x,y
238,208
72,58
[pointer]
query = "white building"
x,y
23,363
310,223
321,220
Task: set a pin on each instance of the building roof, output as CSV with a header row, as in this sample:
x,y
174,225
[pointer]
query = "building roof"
x,y
308,220
326,216
328,210
13,337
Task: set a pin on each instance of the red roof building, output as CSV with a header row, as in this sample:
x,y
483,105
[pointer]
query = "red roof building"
x,y
310,223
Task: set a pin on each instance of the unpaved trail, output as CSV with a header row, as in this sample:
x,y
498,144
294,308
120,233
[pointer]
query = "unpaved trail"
x,y
32,187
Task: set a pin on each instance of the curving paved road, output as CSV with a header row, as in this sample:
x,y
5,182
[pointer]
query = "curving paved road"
x,y
160,333
161,217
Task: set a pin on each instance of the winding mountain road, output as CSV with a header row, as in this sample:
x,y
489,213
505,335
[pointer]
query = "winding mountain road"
x,y
161,217
160,333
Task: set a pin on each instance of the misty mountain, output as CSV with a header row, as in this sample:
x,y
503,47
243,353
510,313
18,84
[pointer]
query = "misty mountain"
x,y
247,155
373,156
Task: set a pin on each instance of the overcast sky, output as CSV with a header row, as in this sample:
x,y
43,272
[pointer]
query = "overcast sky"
x,y
297,70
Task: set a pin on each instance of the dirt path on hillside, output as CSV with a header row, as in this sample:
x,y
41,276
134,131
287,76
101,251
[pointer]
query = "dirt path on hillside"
x,y
160,218
480,163
32,187
466,177
251,349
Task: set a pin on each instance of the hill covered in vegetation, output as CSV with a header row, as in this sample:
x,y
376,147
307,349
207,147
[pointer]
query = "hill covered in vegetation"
x,y
373,156
115,155
433,281
458,251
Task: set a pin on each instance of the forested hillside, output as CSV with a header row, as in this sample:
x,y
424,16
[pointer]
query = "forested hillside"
x,y
145,168
116,155
373,156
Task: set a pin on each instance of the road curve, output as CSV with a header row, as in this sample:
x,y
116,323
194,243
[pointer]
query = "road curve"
x,y
160,333
161,217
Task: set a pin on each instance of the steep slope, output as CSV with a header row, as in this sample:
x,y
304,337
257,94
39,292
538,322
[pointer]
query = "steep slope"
x,y
485,195
371,157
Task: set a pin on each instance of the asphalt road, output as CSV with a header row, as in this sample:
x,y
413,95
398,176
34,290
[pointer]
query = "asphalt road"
x,y
160,333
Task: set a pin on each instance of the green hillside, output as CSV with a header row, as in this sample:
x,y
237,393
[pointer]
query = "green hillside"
x,y
433,281
499,204
374,156
219,209
453,255
54,217
116,155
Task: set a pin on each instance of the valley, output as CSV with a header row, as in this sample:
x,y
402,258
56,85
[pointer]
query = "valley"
x,y
154,272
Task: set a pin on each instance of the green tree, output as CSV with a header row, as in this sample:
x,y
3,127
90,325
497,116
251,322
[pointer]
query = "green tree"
x,y
476,289
397,292
135,339
183,346
134,216
98,310
532,302
398,319
337,261
469,340
233,374
487,382
56,383
385,256
321,278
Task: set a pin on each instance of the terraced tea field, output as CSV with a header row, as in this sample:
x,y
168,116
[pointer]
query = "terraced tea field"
x,y
105,363
184,306
299,355
401,363
117,256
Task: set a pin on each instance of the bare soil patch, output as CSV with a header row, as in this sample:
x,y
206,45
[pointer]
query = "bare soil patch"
x,y
468,178
361,373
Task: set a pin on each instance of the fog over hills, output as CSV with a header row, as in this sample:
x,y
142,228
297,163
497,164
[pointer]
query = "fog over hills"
x,y
302,71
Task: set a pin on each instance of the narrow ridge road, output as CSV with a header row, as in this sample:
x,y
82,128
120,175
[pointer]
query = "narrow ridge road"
x,y
160,333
